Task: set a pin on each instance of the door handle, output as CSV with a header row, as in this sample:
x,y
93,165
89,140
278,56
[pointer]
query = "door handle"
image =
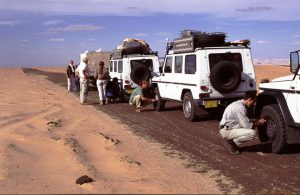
x,y
292,87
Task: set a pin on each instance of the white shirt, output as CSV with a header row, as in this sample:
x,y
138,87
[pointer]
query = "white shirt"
x,y
235,116
82,67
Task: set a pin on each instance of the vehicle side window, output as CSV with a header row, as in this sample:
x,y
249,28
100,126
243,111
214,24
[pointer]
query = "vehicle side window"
x,y
120,66
178,64
190,64
168,65
115,66
111,66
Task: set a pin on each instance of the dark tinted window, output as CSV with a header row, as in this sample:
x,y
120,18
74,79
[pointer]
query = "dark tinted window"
x,y
115,66
178,64
143,62
111,66
168,65
190,64
120,66
219,57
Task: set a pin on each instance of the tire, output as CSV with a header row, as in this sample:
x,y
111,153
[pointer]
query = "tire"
x,y
139,73
160,106
188,107
275,128
225,76
125,97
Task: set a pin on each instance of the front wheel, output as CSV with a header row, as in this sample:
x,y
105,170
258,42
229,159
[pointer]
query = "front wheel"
x,y
188,107
275,128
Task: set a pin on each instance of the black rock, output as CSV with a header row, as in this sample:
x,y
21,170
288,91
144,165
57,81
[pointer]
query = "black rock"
x,y
84,179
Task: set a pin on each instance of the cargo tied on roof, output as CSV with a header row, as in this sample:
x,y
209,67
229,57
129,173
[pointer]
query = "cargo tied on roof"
x,y
131,46
190,40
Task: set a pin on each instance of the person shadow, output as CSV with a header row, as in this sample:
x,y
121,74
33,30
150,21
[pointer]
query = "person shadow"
x,y
267,148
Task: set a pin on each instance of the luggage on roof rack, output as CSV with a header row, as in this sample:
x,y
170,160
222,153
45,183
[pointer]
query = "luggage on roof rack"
x,y
132,46
190,40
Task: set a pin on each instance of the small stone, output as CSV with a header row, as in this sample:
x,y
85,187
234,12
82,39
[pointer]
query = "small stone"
x,y
84,179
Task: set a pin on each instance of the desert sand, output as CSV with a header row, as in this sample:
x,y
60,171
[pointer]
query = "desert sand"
x,y
48,140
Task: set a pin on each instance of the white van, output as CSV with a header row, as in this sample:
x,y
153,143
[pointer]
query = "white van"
x,y
132,69
207,78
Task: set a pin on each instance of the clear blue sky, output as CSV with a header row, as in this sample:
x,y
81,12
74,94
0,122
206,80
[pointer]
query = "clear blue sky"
x,y
51,32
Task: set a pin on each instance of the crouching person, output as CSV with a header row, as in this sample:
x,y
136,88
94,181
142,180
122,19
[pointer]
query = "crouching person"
x,y
113,90
142,96
235,127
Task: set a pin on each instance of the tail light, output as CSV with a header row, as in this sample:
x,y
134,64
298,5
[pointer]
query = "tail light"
x,y
206,93
204,88
127,87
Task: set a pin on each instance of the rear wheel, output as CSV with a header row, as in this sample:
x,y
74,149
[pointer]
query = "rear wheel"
x,y
275,128
139,72
125,97
188,107
160,106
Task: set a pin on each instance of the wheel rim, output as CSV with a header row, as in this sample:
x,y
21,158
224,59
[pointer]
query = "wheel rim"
x,y
271,129
187,107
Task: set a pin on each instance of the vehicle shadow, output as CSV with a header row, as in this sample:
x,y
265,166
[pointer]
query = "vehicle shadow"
x,y
55,77
267,148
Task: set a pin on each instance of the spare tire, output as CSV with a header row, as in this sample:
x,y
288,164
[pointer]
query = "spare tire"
x,y
225,76
139,73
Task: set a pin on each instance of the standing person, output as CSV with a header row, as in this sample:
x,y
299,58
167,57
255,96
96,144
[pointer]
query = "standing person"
x,y
76,79
70,73
142,96
102,77
235,127
83,72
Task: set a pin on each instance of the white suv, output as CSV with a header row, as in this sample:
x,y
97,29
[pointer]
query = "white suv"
x,y
279,103
132,69
207,77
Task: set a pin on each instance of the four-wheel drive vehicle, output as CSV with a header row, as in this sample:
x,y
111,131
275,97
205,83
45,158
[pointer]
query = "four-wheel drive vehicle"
x,y
132,62
94,58
206,77
132,69
279,103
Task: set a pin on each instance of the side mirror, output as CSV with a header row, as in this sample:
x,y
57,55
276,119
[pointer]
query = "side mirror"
x,y
294,61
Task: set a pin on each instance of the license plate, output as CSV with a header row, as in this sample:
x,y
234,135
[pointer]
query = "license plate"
x,y
210,104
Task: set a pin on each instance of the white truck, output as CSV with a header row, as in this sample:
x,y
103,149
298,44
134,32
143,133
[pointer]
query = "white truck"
x,y
132,69
94,57
205,76
132,62
279,103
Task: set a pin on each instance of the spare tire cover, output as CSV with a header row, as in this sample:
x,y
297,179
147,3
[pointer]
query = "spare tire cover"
x,y
139,73
225,76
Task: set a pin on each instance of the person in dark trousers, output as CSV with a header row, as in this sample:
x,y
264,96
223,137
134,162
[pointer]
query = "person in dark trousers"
x,y
113,90
70,73
236,127
142,96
